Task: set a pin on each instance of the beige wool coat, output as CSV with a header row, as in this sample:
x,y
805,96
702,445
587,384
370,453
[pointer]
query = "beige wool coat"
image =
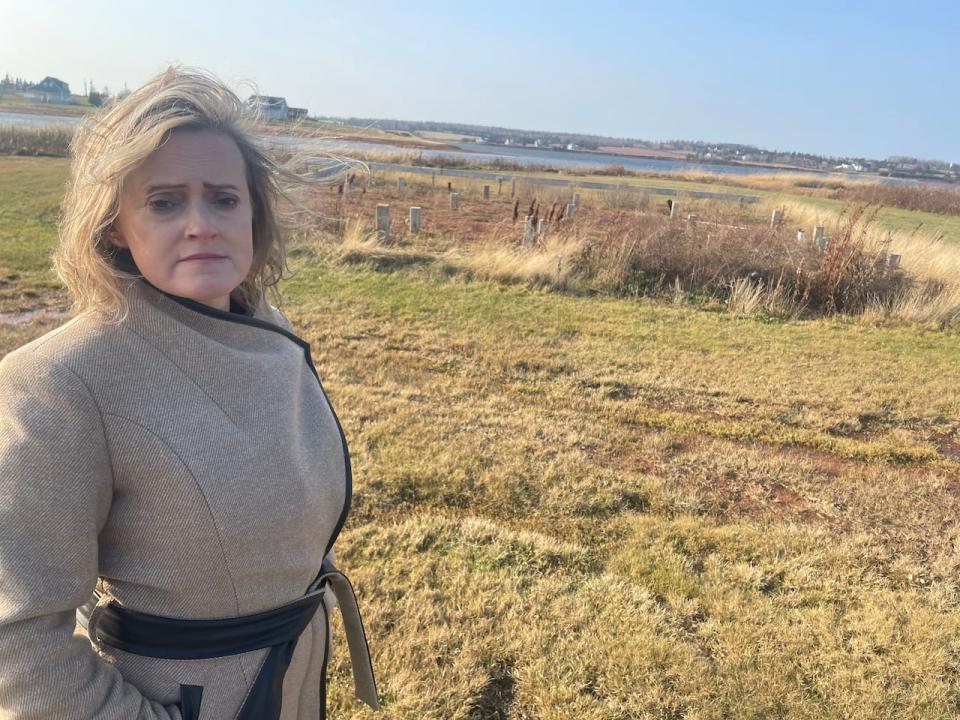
x,y
186,463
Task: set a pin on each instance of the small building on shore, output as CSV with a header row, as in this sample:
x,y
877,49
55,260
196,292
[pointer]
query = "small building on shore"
x,y
271,107
50,90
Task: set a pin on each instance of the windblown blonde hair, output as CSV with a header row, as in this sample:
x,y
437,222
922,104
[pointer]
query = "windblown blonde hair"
x,y
107,146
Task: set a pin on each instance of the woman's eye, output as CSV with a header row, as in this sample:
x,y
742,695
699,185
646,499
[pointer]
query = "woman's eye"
x,y
161,204
228,201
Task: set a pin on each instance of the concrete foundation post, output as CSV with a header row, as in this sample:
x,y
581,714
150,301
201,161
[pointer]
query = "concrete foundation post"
x,y
383,223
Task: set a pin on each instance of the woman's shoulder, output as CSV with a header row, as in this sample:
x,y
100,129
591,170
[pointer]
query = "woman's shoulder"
x,y
74,346
272,314
45,385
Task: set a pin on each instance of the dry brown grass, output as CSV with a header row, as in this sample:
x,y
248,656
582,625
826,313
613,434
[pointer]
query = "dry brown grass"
x,y
627,244
45,140
603,507
922,197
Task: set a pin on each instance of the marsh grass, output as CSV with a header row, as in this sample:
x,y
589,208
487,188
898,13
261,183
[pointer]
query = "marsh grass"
x,y
628,245
44,140
923,197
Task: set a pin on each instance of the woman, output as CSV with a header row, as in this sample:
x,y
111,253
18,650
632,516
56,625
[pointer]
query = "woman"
x,y
171,471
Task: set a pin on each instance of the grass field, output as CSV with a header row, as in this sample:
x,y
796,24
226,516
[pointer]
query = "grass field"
x,y
15,102
574,506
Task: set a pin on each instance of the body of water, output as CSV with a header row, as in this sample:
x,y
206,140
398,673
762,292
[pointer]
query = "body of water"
x,y
571,160
575,159
36,120
567,159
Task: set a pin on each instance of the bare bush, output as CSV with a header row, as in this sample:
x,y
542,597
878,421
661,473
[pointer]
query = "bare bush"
x,y
643,253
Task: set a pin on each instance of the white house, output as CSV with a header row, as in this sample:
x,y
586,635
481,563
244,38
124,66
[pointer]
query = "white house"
x,y
269,107
50,89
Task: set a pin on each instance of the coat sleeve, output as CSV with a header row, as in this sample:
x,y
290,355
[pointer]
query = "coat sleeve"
x,y
55,494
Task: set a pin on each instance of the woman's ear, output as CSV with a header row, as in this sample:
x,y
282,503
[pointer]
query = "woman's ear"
x,y
115,237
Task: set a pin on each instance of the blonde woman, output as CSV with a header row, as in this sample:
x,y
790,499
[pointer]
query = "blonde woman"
x,y
172,474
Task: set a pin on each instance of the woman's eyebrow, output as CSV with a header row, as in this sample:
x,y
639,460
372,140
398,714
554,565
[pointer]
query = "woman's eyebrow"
x,y
181,186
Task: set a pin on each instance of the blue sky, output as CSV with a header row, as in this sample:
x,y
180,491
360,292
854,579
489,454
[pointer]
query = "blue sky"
x,y
864,79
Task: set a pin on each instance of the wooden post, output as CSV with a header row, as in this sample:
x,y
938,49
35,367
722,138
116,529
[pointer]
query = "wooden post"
x,y
499,184
383,223
486,192
449,186
454,201
528,231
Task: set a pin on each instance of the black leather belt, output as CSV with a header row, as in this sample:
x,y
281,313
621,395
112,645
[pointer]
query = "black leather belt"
x,y
278,629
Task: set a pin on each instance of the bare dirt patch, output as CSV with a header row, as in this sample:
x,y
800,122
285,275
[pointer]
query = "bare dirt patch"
x,y
26,317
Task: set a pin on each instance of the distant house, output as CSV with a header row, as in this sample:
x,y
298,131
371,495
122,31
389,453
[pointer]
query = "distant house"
x,y
269,107
49,90
296,113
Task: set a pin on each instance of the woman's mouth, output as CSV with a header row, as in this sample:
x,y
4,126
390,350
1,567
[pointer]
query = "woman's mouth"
x,y
202,256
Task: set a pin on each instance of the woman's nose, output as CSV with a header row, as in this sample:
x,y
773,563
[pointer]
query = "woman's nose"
x,y
200,223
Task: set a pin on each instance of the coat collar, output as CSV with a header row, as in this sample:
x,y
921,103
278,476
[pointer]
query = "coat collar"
x,y
178,320
171,320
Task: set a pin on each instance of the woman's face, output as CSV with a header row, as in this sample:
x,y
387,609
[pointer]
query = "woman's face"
x,y
186,217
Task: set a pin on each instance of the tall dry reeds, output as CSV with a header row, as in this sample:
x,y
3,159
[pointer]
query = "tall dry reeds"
x,y
457,162
747,265
923,197
712,252
44,140
850,271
